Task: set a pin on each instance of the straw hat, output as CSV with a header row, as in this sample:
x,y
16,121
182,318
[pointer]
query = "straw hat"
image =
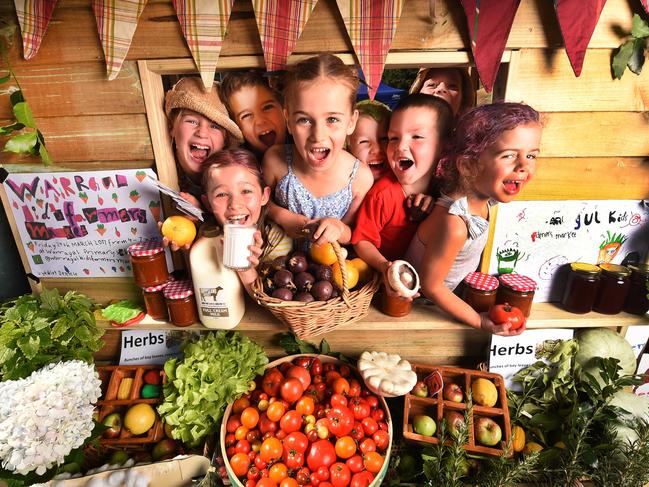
x,y
189,93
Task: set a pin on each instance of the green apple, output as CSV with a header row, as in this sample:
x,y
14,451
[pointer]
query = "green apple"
x,y
119,457
113,423
487,431
164,449
424,425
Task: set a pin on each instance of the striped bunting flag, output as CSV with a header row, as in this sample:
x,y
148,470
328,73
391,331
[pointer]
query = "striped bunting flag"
x,y
33,17
645,5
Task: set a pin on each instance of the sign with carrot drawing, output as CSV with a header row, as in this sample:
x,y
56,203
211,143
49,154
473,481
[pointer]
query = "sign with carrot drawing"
x,y
79,224
539,238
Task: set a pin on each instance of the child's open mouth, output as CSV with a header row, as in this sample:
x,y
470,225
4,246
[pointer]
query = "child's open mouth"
x,y
319,154
238,219
405,164
512,186
268,138
199,152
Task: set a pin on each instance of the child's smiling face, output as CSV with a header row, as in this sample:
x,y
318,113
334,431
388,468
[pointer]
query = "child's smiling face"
x,y
368,144
259,115
445,84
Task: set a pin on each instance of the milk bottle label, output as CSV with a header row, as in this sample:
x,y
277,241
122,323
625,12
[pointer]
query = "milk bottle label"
x,y
211,304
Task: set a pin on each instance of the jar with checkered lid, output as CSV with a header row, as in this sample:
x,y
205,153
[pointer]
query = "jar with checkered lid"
x,y
517,290
149,263
154,301
179,296
480,291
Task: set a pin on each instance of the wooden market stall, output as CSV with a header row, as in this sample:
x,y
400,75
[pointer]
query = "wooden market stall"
x,y
594,143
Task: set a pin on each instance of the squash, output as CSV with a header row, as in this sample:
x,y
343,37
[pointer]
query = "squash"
x,y
635,408
604,342
386,374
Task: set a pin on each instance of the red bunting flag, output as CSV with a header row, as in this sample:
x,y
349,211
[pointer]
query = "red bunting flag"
x,y
33,17
280,24
371,25
577,19
645,4
204,23
490,22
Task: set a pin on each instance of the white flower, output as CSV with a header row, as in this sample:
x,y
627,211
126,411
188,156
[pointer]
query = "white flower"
x,y
47,415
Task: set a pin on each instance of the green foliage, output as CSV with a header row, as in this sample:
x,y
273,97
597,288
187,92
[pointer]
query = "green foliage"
x,y
631,53
293,345
36,330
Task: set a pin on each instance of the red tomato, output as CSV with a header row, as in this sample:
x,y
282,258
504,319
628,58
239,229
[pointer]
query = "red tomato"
x,y
301,374
378,414
303,476
341,386
230,440
345,370
326,484
291,421
266,482
323,473
373,461
240,404
253,436
357,431
242,446
382,439
354,388
331,376
288,482
362,479
260,464
251,483
316,366
338,400
296,441
355,463
322,452
275,410
240,463
345,447
315,481
341,421
233,423
367,445
250,417
359,406
328,367
253,473
318,394
278,472
271,381
339,475
305,405
271,449
507,314
293,458
369,426
291,390
302,362
372,400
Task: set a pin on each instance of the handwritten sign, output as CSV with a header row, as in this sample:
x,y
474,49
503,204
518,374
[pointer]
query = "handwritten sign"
x,y
79,224
538,238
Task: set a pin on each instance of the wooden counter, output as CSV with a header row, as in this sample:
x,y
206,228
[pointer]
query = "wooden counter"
x,y
426,335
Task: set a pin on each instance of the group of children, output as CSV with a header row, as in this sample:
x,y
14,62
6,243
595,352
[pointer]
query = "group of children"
x,y
316,161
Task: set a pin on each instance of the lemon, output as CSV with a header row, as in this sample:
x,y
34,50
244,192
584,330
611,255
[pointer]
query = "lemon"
x,y
139,419
179,230
518,438
531,447
484,392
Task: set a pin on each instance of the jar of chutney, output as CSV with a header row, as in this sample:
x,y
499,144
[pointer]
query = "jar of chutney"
x,y
517,290
154,301
581,288
149,263
613,289
636,301
480,291
179,296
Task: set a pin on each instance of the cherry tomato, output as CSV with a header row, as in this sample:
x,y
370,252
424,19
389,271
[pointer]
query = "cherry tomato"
x,y
312,435
303,476
367,445
339,475
355,463
267,425
250,417
251,483
271,381
288,482
233,423
318,395
271,449
302,361
316,366
359,406
354,388
341,386
362,479
265,482
291,421
260,464
301,374
337,400
345,447
369,426
253,473
230,440
278,472
239,462
383,425
326,484
305,405
293,458
291,390
323,473
240,404
382,439
357,431
507,314
315,481
331,376
241,432
341,421
373,461
322,452
297,441
329,366
242,446
275,411
253,436
378,414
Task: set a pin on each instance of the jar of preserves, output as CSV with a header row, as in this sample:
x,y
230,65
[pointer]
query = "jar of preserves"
x,y
518,291
181,305
613,289
395,305
479,291
581,289
149,263
636,301
154,300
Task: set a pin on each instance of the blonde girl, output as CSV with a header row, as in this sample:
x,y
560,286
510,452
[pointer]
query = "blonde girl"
x,y
453,85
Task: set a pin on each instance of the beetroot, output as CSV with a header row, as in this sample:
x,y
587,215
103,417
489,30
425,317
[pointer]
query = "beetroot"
x,y
304,297
322,290
304,281
283,294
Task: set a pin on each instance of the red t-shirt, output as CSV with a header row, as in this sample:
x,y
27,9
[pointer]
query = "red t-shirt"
x,y
382,219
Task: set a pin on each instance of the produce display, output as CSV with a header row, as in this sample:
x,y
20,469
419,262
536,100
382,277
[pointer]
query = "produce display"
x,y
386,374
427,406
309,421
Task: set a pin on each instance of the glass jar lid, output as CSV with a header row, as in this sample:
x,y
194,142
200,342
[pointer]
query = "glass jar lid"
x,y
144,249
179,289
639,269
482,282
584,268
517,282
616,270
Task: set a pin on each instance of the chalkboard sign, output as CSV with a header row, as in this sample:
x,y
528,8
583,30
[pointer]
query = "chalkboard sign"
x,y
79,224
538,238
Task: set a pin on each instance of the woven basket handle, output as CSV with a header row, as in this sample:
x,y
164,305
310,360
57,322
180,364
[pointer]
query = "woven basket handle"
x,y
343,271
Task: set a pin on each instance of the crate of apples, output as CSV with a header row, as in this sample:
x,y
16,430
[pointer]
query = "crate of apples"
x,y
309,421
441,394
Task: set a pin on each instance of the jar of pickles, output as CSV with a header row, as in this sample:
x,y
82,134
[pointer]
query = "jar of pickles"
x,y
613,289
480,291
149,263
179,296
517,290
636,301
581,288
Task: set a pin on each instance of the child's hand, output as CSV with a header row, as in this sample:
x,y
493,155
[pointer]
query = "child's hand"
x,y
326,230
255,249
504,330
191,199
168,243
419,206
389,290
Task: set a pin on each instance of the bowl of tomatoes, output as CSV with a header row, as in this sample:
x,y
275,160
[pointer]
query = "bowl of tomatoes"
x,y
310,421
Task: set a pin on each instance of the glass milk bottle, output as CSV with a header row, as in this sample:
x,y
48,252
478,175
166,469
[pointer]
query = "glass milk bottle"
x,y
218,290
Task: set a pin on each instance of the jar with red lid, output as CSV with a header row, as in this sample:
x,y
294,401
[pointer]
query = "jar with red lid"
x,y
479,291
517,290
636,301
581,288
149,263
613,289
154,300
181,305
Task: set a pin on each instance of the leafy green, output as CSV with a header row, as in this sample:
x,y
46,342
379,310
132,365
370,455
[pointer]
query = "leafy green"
x,y
293,345
121,311
38,329
631,52
216,369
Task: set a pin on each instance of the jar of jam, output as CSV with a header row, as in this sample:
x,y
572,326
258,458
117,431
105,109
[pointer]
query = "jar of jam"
x,y
613,289
149,263
517,290
581,289
636,301
154,300
179,296
479,291
395,305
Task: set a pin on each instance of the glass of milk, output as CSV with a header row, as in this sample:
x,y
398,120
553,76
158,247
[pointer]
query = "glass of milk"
x,y
236,239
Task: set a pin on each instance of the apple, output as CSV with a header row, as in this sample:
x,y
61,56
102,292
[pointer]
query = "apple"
x,y
164,449
119,457
168,430
487,431
452,392
420,389
454,421
424,425
113,422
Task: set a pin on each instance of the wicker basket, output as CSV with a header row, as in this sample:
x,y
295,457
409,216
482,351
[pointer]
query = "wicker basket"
x,y
317,317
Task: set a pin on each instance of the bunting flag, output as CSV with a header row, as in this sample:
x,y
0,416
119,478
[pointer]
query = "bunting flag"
x,y
280,24
116,23
577,19
490,22
371,26
204,23
33,17
645,4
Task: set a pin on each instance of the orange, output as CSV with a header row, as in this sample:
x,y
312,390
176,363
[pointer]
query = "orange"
x,y
323,254
352,275
364,270
518,438
179,230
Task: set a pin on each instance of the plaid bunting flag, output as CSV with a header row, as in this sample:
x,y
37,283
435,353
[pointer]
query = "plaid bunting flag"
x,y
33,17
490,22
371,25
280,24
116,23
204,23
577,19
645,5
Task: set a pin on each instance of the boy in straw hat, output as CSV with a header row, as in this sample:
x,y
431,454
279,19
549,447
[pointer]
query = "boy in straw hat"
x,y
199,126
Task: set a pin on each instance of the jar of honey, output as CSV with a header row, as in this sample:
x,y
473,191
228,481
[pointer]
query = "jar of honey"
x,y
613,289
479,291
581,289
517,290
181,305
149,263
636,301
154,300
